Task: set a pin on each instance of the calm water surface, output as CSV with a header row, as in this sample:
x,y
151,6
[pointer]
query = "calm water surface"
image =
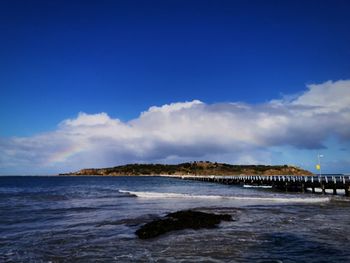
x,y
89,219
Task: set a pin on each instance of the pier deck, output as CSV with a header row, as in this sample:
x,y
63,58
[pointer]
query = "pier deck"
x,y
282,182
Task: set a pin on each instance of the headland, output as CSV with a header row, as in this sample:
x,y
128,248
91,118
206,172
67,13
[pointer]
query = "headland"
x,y
191,168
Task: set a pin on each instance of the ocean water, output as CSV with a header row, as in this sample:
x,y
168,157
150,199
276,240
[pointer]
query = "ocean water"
x,y
93,219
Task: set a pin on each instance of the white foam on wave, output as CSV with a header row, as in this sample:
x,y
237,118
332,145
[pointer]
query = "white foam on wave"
x,y
257,186
157,195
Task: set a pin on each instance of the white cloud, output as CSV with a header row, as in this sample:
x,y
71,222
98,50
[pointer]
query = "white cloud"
x,y
168,108
186,131
327,97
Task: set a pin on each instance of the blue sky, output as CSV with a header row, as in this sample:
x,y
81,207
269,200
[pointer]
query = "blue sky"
x,y
59,58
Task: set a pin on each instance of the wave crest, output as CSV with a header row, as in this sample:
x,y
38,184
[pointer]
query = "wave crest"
x,y
158,195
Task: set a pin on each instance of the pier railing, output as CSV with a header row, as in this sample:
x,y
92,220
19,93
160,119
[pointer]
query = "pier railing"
x,y
282,182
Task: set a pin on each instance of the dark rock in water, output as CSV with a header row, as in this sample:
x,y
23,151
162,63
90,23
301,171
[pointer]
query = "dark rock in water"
x,y
181,220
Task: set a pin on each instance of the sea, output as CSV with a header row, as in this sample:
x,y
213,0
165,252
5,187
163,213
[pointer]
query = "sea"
x,y
94,219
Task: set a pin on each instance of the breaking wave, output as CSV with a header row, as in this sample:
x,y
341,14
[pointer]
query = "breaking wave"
x,y
158,195
257,186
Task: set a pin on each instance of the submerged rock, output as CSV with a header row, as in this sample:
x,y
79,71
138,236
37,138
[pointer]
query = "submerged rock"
x,y
181,220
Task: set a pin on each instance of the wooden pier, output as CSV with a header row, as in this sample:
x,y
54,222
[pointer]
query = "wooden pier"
x,y
283,182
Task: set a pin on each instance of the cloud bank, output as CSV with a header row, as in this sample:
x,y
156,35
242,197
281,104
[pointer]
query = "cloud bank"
x,y
238,132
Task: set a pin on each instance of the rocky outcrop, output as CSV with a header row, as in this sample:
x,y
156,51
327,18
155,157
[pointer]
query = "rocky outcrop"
x,y
187,219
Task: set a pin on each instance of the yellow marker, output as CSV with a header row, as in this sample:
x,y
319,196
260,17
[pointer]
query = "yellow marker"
x,y
318,167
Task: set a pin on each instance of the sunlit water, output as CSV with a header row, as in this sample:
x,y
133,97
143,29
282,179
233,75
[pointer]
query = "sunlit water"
x,y
89,219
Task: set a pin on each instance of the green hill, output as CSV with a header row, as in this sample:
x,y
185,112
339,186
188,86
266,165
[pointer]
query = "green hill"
x,y
193,168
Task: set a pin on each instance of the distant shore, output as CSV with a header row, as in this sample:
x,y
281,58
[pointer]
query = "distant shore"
x,y
190,168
